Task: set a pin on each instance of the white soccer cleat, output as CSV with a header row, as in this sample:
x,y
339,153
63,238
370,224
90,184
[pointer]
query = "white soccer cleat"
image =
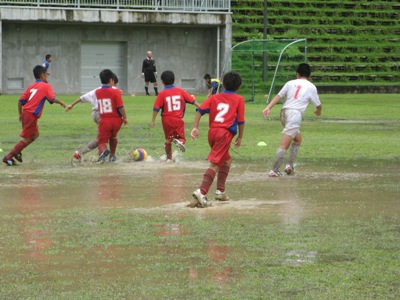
x,y
221,196
201,199
179,144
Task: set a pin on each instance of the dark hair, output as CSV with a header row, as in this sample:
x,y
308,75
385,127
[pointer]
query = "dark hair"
x,y
38,71
207,76
168,77
304,70
232,81
106,75
48,56
115,78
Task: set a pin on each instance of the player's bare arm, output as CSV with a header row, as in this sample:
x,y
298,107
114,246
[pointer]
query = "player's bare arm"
x,y
69,107
123,113
318,110
195,131
60,102
274,101
238,141
19,111
153,120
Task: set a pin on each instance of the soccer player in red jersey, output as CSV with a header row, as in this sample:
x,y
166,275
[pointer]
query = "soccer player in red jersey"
x,y
112,114
172,103
226,115
30,107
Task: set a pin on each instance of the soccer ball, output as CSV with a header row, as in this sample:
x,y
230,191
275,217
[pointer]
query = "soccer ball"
x,y
139,154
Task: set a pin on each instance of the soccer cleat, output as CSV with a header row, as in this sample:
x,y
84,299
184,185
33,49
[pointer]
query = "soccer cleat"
x,y
103,155
113,158
179,144
77,155
201,199
9,162
273,173
289,169
221,196
18,157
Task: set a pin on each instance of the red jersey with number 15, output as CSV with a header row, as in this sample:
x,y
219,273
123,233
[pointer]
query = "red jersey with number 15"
x,y
172,102
109,102
35,95
226,110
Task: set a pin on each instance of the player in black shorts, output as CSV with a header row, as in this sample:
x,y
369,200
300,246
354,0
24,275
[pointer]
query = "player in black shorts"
x,y
149,72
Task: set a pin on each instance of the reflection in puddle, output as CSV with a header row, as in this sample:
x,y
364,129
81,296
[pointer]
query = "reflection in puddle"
x,y
37,240
298,257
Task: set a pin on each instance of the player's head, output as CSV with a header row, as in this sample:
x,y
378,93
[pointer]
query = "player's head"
x,y
304,70
106,75
207,77
149,54
115,78
232,81
39,71
48,57
168,77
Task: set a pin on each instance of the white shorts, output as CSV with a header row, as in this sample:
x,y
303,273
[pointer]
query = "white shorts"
x,y
96,116
291,121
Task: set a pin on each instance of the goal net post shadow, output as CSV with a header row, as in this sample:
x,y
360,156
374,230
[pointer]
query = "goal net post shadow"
x,y
265,65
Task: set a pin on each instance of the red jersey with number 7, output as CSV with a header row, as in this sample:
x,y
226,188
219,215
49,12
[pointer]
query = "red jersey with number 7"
x,y
34,97
226,110
109,102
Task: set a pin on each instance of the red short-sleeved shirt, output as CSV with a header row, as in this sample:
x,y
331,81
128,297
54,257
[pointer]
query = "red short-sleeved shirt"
x,y
226,110
34,97
172,102
109,101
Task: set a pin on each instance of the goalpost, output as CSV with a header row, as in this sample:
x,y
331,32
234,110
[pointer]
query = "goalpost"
x,y
265,64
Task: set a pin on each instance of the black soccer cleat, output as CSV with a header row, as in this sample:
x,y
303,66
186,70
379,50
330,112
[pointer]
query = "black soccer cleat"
x,y
18,157
9,162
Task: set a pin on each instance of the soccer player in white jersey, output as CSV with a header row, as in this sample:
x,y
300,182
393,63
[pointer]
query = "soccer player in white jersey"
x,y
90,97
298,93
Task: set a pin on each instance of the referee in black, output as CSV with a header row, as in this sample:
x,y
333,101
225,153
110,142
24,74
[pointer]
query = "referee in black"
x,y
149,72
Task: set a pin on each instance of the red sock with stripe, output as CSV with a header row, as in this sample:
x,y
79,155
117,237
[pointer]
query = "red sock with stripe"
x,y
208,179
221,179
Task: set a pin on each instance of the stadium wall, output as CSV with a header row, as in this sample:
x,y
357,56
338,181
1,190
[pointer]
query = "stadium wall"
x,y
187,44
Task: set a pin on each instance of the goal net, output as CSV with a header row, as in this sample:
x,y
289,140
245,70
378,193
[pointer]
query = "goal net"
x,y
265,65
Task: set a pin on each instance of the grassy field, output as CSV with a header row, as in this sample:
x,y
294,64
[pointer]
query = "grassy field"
x,y
123,231
351,126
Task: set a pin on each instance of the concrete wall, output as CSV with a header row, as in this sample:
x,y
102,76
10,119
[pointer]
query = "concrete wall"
x,y
184,43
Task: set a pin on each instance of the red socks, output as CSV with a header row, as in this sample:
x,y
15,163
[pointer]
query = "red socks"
x,y
221,179
17,149
113,146
208,179
168,150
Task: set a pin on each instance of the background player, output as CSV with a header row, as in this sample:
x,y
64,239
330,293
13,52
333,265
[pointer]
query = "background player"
x,y
90,97
46,63
149,72
226,116
298,93
172,103
213,85
30,107
112,115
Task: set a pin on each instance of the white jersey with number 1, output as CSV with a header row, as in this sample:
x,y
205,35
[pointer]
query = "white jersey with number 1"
x,y
298,93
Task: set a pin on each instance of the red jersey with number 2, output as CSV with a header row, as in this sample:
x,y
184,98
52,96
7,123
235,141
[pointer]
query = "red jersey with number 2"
x,y
35,95
109,101
226,110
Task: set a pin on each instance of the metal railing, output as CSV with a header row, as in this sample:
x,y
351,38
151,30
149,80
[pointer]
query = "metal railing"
x,y
198,6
